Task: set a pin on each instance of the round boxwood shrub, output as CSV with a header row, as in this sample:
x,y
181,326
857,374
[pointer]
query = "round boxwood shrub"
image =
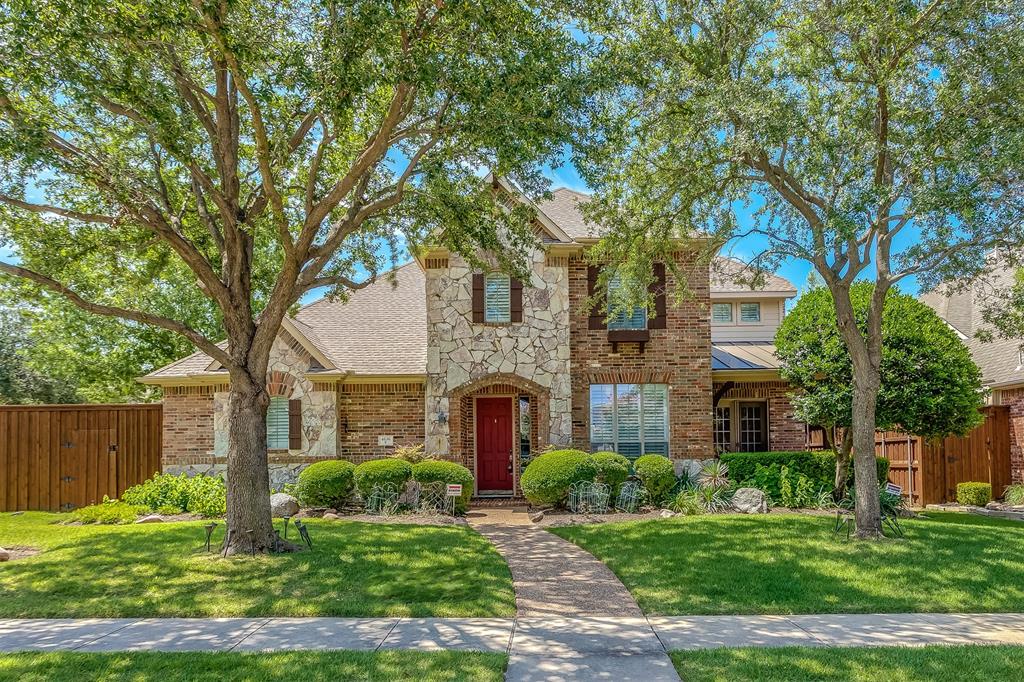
x,y
974,493
612,470
442,471
326,484
391,471
657,475
547,478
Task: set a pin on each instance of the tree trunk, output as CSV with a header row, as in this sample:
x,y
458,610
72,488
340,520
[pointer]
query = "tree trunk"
x,y
248,478
867,513
842,450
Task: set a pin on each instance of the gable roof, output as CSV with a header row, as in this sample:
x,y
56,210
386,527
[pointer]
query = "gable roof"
x,y
728,275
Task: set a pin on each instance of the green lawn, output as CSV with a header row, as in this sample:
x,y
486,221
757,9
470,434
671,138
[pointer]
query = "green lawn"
x,y
892,664
354,569
224,667
782,564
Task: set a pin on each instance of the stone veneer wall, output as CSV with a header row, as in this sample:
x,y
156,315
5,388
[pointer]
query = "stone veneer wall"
x,y
784,431
368,411
1014,398
460,352
679,355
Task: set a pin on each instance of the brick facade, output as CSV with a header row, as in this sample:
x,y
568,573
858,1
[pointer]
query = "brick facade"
x,y
368,411
188,425
784,431
679,355
1014,399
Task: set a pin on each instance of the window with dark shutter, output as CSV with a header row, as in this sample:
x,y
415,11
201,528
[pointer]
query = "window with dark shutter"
x,y
294,424
478,297
516,300
596,320
658,288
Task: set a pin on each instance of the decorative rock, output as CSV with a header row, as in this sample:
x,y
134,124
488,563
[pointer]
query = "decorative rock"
x,y
283,504
993,505
667,513
152,518
750,501
330,515
537,517
4,555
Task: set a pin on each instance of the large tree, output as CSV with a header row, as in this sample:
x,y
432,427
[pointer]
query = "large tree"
x,y
929,387
271,148
20,382
877,140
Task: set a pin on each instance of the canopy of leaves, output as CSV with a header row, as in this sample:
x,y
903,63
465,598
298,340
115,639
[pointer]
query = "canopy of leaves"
x,y
20,381
930,385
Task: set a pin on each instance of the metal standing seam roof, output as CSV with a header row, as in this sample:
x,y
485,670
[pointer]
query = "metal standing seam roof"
x,y
743,355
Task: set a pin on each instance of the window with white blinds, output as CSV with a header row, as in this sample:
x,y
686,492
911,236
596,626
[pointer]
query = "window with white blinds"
x,y
721,312
277,424
631,419
624,319
497,297
750,312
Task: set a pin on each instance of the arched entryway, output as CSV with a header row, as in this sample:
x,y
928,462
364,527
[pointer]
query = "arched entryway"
x,y
497,423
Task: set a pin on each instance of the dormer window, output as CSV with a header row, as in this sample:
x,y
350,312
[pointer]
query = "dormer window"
x,y
497,299
624,319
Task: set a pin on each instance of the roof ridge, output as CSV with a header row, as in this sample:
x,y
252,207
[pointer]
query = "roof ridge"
x,y
411,261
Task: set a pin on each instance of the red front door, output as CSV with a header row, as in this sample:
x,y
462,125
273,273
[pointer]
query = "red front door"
x,y
494,444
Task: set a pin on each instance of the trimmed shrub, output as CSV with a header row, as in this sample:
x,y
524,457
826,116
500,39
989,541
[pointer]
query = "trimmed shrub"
x,y
443,471
657,474
547,478
108,512
326,484
393,472
612,470
1014,495
763,470
200,494
974,493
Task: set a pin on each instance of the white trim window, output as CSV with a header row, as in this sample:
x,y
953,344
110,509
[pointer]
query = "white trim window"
x,y
721,313
624,319
497,298
750,313
630,419
277,424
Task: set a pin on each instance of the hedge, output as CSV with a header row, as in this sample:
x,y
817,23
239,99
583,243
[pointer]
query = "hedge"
x,y
326,484
548,477
442,471
657,474
612,470
974,493
381,472
819,466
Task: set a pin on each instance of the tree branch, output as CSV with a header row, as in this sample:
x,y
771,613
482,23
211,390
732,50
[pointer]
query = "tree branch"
x,y
57,210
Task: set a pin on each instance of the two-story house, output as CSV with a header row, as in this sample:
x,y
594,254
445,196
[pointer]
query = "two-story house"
x,y
489,370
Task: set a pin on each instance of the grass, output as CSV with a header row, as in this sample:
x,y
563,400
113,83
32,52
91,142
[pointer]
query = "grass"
x,y
785,564
158,570
315,666
892,664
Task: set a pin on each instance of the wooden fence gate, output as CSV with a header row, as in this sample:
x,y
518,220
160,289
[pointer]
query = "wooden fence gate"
x,y
59,457
928,472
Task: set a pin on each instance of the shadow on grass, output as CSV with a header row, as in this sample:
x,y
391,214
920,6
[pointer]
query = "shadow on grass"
x,y
793,564
354,569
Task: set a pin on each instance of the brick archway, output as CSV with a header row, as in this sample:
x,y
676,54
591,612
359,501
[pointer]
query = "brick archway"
x,y
461,423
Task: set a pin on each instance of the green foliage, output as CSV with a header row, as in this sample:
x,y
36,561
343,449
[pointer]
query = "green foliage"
x,y
108,512
382,472
442,471
1014,495
547,478
797,490
612,470
930,385
687,502
974,493
714,474
657,474
201,495
326,484
23,381
413,454
764,471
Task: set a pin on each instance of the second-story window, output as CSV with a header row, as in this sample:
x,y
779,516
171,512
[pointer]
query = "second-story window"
x,y
721,312
635,318
497,298
750,312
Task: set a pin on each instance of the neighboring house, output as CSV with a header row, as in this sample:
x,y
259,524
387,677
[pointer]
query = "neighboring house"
x,y
1001,360
489,371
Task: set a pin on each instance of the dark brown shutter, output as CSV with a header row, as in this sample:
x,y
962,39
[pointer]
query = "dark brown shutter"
x,y
596,320
478,297
515,299
660,318
294,424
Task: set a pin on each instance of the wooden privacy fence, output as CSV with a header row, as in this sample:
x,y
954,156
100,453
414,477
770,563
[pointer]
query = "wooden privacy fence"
x,y
59,457
929,472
